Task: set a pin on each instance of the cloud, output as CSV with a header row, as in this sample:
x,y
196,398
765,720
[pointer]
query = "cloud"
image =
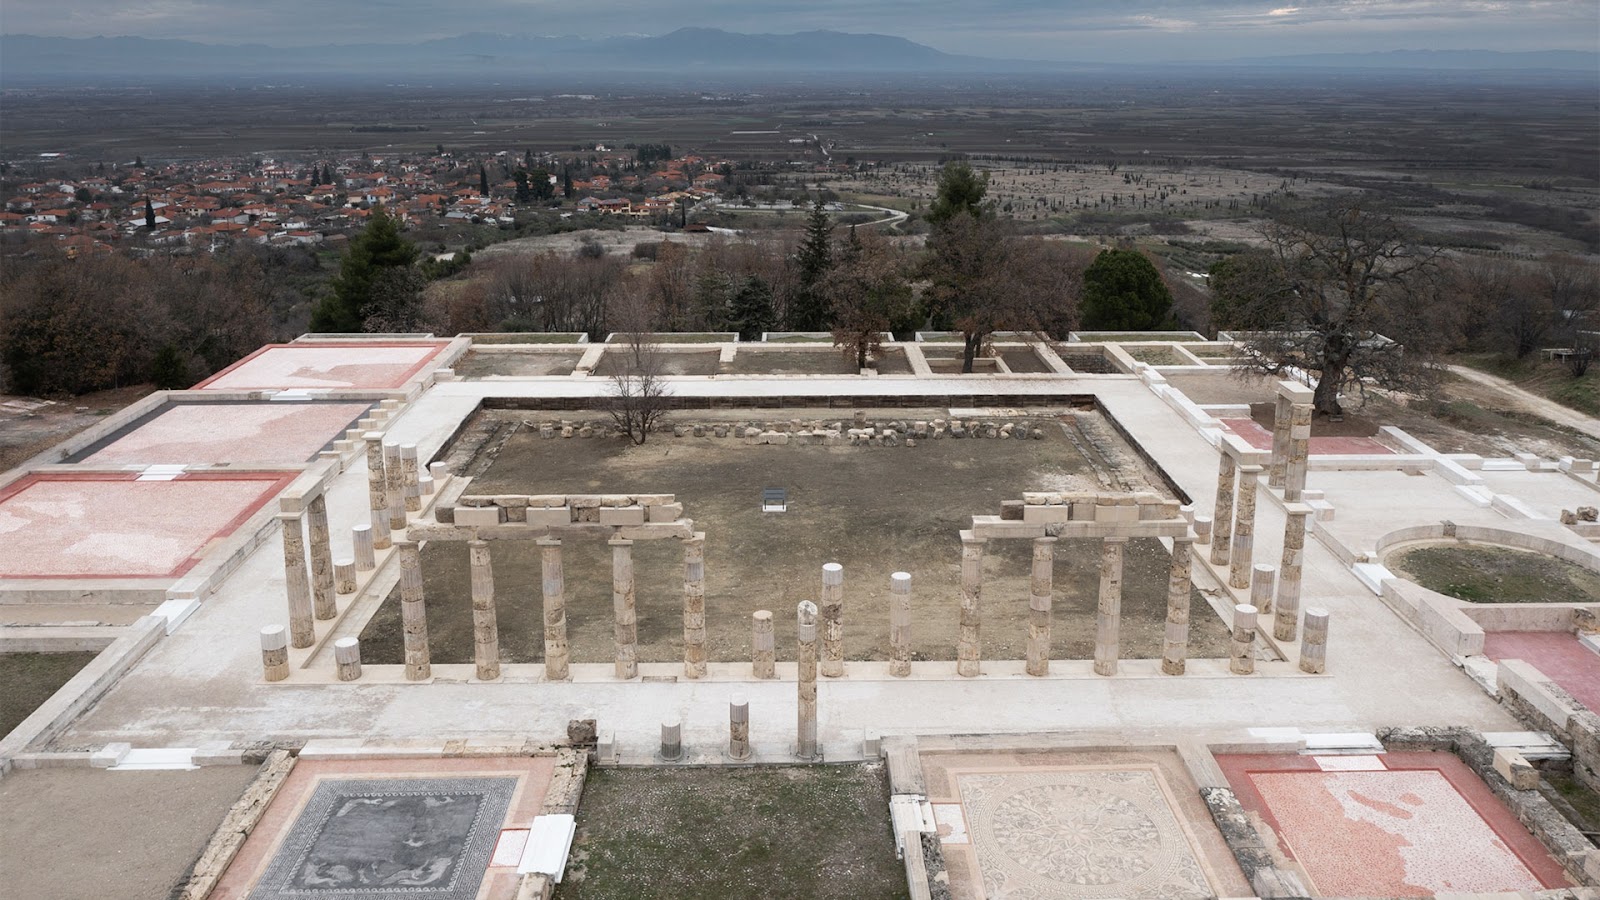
x,y
1058,29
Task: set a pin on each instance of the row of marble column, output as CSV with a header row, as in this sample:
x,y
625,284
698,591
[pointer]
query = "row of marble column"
x,y
395,486
557,647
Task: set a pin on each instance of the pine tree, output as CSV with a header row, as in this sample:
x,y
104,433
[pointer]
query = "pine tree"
x,y
752,309
809,309
379,247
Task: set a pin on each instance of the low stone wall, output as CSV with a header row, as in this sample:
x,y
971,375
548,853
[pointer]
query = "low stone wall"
x,y
1545,706
858,432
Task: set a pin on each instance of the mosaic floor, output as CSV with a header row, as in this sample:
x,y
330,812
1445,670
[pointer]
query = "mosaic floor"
x,y
326,366
253,433
392,830
98,526
1041,826
1394,825
1555,653
1261,439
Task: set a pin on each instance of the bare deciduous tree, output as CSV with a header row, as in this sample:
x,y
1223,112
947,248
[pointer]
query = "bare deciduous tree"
x,y
639,397
1346,297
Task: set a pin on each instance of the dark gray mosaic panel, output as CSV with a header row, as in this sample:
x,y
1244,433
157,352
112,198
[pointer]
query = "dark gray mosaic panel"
x,y
390,839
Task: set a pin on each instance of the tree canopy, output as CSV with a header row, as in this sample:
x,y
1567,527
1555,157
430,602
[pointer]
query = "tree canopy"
x,y
1123,291
960,190
1345,295
378,247
808,308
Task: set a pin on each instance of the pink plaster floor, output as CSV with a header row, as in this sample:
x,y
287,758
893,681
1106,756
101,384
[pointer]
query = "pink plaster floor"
x,y
1261,439
1555,653
112,525
261,433
1391,825
327,365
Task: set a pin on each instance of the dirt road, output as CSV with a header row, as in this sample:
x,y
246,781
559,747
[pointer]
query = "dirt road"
x,y
1530,402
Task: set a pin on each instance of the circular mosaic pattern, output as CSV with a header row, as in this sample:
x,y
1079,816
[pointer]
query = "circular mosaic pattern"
x,y
1076,834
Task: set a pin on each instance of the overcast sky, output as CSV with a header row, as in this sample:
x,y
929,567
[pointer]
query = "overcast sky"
x,y
1125,30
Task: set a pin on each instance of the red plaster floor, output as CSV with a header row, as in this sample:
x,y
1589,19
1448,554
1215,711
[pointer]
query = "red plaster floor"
x,y
1261,439
259,433
111,525
1555,653
327,365
1391,825
500,882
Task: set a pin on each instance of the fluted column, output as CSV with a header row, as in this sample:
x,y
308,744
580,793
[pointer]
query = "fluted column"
x,y
274,653
1262,580
1175,644
1241,652
377,491
1280,442
970,648
413,612
739,728
1294,482
832,608
1244,527
623,609
410,479
900,624
1287,614
1314,645
394,486
1222,515
556,649
1041,585
1108,621
322,587
806,655
694,606
763,649
302,630
485,629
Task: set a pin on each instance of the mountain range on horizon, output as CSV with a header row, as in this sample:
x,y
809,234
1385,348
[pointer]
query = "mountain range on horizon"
x,y
33,59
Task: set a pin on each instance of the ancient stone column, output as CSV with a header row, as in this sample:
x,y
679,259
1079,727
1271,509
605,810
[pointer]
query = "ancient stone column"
x,y
832,620
1108,623
411,487
425,485
739,728
413,613
1294,483
1175,644
321,559
302,630
485,629
344,576
1262,578
806,729
1241,653
1040,587
1314,645
366,553
1222,515
555,611
969,648
900,624
394,487
377,491
763,648
1202,530
347,658
1280,442
274,653
622,608
439,472
694,606
1244,527
672,740
1287,613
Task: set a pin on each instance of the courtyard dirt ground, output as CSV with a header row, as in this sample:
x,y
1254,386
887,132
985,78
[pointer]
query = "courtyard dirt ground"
x,y
873,510
30,678
735,834
69,834
29,425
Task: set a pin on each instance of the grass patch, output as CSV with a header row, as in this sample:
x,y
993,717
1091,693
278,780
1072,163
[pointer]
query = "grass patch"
x,y
1550,379
526,337
30,679
1580,799
1156,356
735,834
1484,573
